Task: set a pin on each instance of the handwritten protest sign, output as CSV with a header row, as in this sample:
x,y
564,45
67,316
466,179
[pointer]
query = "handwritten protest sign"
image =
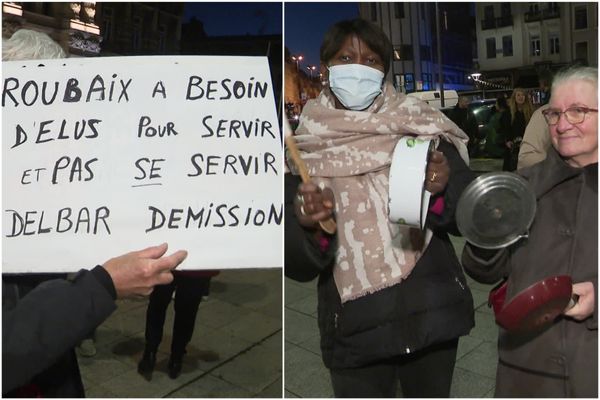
x,y
108,155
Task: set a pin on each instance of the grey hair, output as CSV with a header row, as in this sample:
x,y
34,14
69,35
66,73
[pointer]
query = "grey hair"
x,y
26,44
589,74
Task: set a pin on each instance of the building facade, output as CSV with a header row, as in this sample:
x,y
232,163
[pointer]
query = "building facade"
x,y
88,29
411,28
516,42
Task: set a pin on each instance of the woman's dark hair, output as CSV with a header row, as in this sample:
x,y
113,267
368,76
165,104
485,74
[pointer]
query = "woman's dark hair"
x,y
501,101
370,33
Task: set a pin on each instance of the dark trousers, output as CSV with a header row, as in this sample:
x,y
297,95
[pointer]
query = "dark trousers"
x,y
425,373
188,294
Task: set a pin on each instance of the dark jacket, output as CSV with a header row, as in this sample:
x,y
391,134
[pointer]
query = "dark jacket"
x,y
563,240
431,306
41,328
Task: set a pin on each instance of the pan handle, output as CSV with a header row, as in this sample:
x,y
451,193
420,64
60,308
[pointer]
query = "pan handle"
x,y
572,301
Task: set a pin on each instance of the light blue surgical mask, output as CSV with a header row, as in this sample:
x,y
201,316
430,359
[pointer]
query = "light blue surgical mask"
x,y
355,85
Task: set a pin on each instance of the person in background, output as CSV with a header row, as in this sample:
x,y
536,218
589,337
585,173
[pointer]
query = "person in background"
x,y
189,288
545,82
392,300
560,360
512,127
462,116
494,145
536,140
44,316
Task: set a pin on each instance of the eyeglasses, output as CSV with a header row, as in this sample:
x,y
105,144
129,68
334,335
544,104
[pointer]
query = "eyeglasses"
x,y
575,115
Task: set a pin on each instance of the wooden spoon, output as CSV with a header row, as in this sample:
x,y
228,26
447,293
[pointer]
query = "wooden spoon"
x,y
329,224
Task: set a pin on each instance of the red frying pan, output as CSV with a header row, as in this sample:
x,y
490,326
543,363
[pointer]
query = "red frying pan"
x,y
535,307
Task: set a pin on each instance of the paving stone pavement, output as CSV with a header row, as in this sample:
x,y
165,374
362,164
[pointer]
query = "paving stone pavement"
x,y
236,350
306,376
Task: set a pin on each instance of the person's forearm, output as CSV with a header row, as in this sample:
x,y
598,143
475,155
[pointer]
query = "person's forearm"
x,y
49,321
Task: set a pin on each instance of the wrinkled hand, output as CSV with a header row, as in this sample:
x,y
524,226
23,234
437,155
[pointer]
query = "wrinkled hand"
x,y
312,204
137,273
586,303
438,172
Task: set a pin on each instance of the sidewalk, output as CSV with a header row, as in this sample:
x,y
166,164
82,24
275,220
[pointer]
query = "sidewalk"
x,y
235,351
306,376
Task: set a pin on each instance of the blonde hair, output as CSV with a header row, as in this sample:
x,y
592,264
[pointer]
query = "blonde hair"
x,y
26,44
526,108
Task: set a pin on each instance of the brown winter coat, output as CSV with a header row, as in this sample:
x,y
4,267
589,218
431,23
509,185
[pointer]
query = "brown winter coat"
x,y
560,361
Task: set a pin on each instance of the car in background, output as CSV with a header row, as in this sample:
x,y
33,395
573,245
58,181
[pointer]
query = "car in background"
x,y
483,111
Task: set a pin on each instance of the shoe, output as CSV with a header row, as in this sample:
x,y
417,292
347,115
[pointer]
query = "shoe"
x,y
175,365
86,348
146,364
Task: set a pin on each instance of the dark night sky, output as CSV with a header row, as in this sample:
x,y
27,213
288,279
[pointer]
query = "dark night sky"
x,y
306,23
230,19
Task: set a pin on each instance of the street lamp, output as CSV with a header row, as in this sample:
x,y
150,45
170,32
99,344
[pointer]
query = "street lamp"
x,y
297,59
311,68
476,78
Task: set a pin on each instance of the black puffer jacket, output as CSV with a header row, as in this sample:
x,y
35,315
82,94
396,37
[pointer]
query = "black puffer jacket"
x,y
432,305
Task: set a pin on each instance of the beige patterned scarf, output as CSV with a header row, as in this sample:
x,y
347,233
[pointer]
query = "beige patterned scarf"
x,y
351,152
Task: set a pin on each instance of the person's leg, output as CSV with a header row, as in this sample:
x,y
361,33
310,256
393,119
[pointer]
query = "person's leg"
x,y
428,372
156,313
187,299
155,319
188,296
376,380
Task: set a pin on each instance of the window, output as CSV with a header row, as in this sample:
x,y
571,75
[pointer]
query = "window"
x,y
554,44
426,81
162,39
409,82
374,11
107,24
581,17
405,53
581,51
507,46
488,12
422,10
534,8
505,10
399,10
136,38
490,44
535,45
425,53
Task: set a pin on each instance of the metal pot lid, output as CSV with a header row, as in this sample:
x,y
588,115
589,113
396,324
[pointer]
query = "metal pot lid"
x,y
495,210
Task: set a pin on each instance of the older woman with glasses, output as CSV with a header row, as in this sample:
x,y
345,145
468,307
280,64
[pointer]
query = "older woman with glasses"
x,y
560,360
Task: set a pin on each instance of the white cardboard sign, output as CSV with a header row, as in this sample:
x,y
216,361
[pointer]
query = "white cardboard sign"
x,y
108,155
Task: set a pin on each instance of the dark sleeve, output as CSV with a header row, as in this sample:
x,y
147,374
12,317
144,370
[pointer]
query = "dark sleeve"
x,y
49,321
486,266
506,126
460,176
304,260
473,125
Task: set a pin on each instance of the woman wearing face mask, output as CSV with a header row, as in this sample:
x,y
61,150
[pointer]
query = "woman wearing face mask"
x,y
392,299
513,126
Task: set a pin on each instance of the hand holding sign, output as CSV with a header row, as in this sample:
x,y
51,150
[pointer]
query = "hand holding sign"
x,y
137,273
